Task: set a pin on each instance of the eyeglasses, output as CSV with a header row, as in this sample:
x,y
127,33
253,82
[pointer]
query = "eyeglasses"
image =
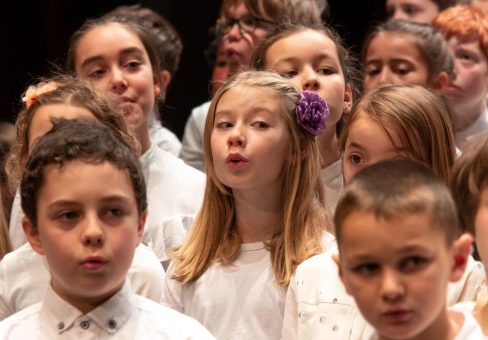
x,y
245,25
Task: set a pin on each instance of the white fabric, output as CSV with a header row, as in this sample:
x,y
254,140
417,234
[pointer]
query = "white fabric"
x,y
192,145
16,233
175,194
333,182
163,137
124,316
479,126
238,301
471,329
318,306
24,278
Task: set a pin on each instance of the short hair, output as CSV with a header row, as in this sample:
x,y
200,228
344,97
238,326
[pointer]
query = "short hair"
x,y
73,91
395,188
469,177
464,21
84,140
430,43
169,45
421,119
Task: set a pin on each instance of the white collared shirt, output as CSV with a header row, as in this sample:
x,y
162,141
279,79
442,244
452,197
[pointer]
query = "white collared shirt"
x,y
124,316
24,278
164,138
192,145
318,306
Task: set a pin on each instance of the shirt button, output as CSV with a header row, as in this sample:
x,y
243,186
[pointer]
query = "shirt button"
x,y
322,319
112,324
60,325
334,301
85,324
335,328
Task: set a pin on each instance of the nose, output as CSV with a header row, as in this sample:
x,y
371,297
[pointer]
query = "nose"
x,y
310,81
234,32
236,138
392,288
93,234
398,15
118,83
385,77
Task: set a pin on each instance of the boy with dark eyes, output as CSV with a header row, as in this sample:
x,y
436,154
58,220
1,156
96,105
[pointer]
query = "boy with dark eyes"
x,y
399,247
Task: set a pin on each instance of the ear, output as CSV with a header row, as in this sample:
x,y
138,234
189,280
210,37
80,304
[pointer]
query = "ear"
x,y
440,82
32,236
460,251
141,221
337,260
165,79
347,104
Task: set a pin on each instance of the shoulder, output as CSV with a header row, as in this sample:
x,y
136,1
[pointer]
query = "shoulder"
x,y
27,320
200,111
172,163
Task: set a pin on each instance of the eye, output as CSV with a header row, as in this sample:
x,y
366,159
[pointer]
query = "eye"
x,y
410,10
288,74
367,269
67,215
373,70
325,71
413,263
115,212
132,65
355,159
223,125
260,124
96,74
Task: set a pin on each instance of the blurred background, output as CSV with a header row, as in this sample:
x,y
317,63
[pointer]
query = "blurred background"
x,y
34,36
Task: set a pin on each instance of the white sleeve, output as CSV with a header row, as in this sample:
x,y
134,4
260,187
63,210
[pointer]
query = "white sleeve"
x,y
192,145
289,331
468,287
146,273
172,295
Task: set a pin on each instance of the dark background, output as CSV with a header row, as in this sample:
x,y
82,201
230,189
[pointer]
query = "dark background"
x,y
34,35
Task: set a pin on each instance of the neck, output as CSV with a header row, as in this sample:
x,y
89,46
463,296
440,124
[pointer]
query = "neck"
x,y
465,117
258,214
142,136
329,150
481,315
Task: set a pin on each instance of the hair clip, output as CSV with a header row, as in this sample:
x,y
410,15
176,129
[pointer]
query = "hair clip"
x,y
312,111
35,91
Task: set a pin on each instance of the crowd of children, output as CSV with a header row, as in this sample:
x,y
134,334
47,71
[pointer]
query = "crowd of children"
x,y
314,196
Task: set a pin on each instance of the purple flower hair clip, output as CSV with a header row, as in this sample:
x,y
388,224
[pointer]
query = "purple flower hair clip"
x,y
312,111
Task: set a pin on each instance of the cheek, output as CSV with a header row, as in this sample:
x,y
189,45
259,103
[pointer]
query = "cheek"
x,y
347,171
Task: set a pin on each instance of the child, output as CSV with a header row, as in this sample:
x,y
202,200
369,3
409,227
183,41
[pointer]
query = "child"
x,y
469,187
23,275
403,52
243,24
392,121
314,58
397,121
466,31
117,56
88,234
397,232
263,211
169,47
423,11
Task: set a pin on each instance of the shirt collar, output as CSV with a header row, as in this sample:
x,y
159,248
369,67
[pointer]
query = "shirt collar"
x,y
480,125
148,157
110,316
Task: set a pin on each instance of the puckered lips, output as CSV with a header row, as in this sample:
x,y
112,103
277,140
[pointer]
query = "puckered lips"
x,y
236,161
94,263
397,315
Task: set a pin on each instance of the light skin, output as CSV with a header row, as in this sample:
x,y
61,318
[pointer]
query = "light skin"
x,y
250,148
309,59
423,11
469,85
41,121
88,234
239,46
481,238
368,143
394,58
114,60
397,270
220,71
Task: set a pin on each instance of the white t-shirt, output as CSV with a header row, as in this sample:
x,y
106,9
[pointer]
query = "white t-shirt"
x,y
238,301
175,194
333,182
24,278
479,126
124,316
163,137
192,145
318,306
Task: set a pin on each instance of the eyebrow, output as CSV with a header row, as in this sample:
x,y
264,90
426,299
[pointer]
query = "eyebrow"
x,y
108,199
359,146
319,56
123,53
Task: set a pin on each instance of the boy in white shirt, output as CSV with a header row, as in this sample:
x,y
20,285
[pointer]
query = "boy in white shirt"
x,y
84,198
398,236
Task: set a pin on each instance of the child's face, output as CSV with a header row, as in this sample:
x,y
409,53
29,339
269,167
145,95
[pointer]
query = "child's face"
x,y
41,121
412,10
481,226
250,139
88,227
469,84
114,59
393,58
397,270
240,45
310,60
368,143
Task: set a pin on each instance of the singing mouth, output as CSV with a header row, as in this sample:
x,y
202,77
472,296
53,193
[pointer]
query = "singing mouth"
x,y
94,262
236,160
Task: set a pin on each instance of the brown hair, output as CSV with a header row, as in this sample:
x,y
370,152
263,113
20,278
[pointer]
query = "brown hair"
x,y
69,91
395,188
213,236
469,177
78,139
421,119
